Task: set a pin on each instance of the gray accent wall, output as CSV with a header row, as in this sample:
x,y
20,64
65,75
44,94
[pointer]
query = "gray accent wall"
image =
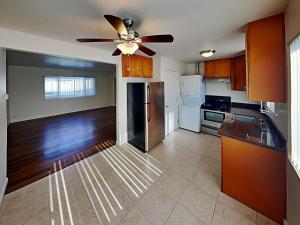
x,y
26,93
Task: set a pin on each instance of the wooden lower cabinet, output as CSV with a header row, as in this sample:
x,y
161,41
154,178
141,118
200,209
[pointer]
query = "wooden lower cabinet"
x,y
255,176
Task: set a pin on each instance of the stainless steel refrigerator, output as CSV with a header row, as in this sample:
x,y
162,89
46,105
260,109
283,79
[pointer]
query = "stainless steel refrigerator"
x,y
145,114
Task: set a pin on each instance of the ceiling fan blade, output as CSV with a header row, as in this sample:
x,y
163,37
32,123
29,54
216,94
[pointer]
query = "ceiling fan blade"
x,y
117,23
117,52
95,40
158,38
146,50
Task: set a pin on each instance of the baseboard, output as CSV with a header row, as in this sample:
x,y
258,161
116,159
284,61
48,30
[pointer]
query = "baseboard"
x,y
285,222
59,115
3,191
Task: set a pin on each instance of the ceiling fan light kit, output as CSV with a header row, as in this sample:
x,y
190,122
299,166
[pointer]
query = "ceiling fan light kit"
x,y
129,40
128,47
207,53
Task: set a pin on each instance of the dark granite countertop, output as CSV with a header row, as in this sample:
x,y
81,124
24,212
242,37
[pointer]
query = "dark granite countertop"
x,y
267,135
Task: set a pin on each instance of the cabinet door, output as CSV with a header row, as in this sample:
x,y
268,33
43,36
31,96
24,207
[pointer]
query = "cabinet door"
x,y
217,68
266,78
147,67
125,65
136,66
132,66
255,176
238,73
209,70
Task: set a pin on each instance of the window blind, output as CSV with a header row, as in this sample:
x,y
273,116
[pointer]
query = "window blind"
x,y
60,87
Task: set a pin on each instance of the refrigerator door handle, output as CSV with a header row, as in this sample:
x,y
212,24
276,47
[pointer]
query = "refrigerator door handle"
x,y
148,93
149,112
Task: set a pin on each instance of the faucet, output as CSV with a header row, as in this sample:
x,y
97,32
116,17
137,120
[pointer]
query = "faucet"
x,y
265,111
262,109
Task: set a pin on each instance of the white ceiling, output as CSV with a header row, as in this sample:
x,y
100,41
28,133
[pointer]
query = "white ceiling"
x,y
195,24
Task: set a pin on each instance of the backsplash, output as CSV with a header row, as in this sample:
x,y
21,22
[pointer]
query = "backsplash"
x,y
214,87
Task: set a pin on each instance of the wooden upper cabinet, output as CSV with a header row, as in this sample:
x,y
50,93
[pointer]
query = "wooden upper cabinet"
x,y
125,65
265,57
147,67
238,73
137,66
217,68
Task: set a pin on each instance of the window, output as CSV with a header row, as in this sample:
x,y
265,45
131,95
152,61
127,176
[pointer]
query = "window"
x,y
68,87
295,103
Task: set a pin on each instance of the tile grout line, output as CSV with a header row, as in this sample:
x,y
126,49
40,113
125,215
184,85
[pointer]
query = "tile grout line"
x,y
176,203
213,214
176,200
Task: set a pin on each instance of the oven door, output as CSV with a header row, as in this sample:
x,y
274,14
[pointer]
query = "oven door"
x,y
212,118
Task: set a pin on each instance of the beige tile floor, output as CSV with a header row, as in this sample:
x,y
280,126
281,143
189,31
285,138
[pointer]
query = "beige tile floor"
x,y
178,182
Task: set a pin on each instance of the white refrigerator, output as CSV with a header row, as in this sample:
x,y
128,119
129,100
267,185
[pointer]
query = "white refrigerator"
x,y
192,92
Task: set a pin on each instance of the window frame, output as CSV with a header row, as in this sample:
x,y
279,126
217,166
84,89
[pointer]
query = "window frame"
x,y
296,166
71,97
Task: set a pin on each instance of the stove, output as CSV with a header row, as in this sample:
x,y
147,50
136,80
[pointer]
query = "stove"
x,y
213,112
217,103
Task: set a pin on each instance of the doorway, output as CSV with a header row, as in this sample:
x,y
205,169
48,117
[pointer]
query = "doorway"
x,y
58,108
172,94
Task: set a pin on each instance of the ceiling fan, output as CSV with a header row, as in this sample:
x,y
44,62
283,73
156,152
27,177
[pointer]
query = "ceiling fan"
x,y
129,40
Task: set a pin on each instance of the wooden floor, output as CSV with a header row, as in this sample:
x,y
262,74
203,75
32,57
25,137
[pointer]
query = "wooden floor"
x,y
35,145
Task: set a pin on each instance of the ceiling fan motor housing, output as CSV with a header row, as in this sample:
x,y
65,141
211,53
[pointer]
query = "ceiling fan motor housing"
x,y
128,22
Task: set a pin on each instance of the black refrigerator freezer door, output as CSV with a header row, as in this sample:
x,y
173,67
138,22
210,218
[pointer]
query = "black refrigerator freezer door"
x,y
136,115
154,91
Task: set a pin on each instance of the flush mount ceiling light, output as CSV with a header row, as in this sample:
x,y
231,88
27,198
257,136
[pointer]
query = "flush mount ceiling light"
x,y
207,53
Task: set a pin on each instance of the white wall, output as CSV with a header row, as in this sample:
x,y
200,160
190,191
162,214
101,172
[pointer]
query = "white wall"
x,y
3,127
26,94
176,68
167,64
191,68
